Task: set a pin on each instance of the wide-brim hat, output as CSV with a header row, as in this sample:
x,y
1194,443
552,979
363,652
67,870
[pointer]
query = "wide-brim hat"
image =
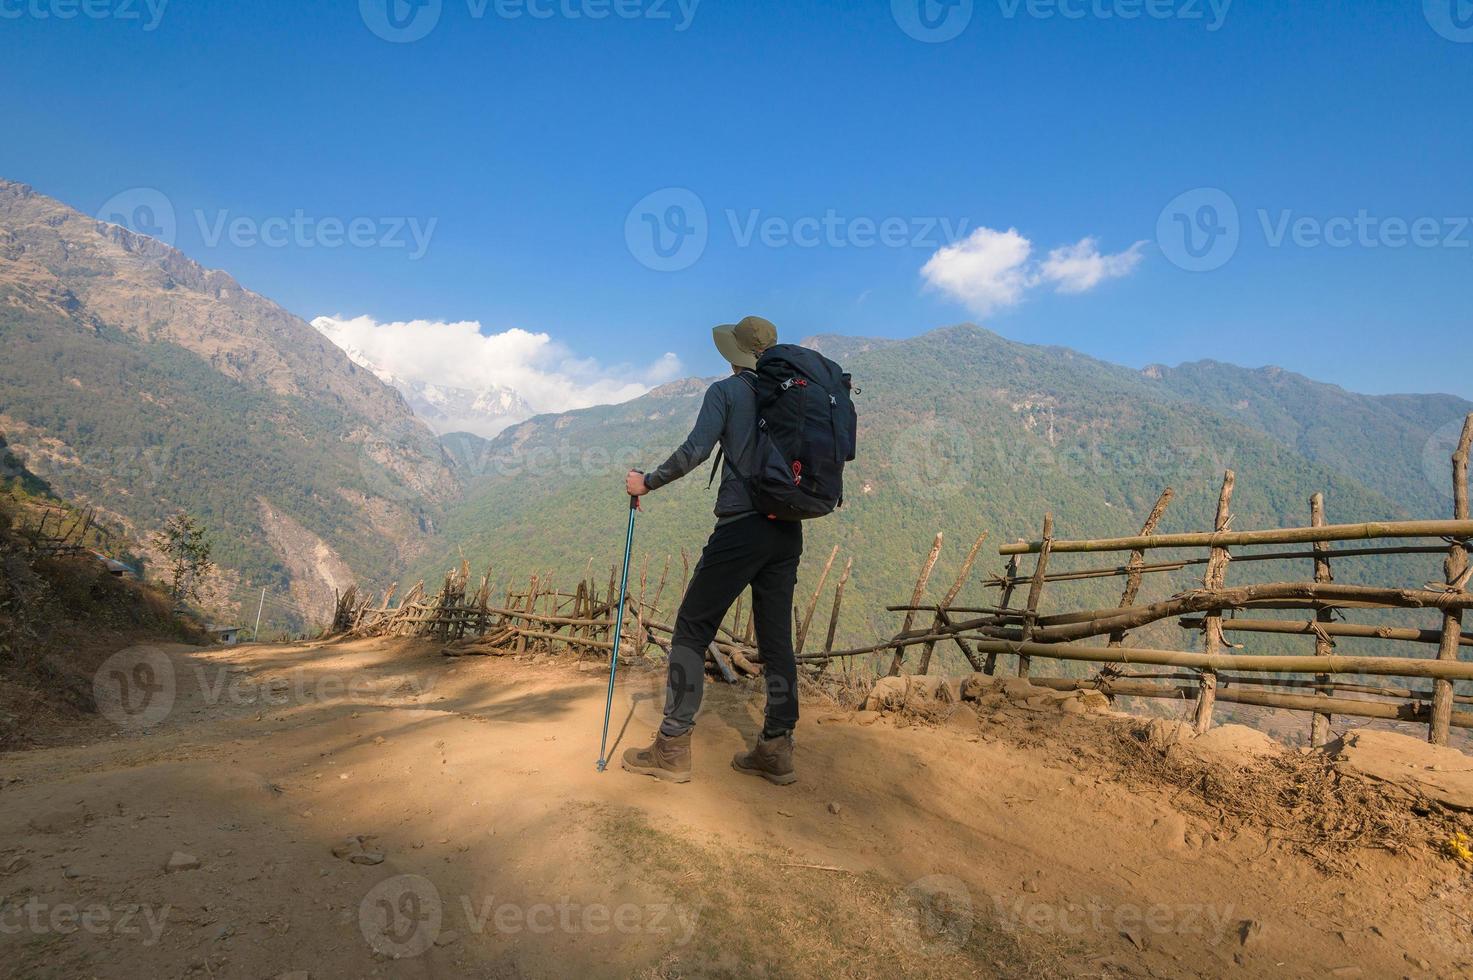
x,y
741,343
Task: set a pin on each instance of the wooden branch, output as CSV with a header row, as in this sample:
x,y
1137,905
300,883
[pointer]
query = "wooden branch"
x,y
1120,687
828,643
660,591
932,607
823,577
941,610
740,660
1035,590
1453,566
1229,680
1078,626
722,662
1214,580
915,598
1011,574
1459,670
1138,560
978,663
1461,529
1313,627
1153,568
1319,725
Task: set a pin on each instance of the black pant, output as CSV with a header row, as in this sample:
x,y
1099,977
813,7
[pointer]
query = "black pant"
x,y
753,551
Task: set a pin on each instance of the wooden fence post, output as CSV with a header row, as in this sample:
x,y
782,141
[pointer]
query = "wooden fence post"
x,y
828,643
1215,578
1456,567
941,619
1035,590
915,600
1319,725
1138,558
807,620
1010,583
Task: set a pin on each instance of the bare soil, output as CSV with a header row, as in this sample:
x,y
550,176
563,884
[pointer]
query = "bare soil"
x,y
376,809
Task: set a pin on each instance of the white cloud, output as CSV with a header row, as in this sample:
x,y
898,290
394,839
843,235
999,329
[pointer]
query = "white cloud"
x,y
1080,267
986,270
540,371
990,270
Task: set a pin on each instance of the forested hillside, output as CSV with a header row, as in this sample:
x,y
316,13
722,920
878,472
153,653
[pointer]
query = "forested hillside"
x,y
960,431
1396,444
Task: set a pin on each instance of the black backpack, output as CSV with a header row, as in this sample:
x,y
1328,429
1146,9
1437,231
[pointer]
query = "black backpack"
x,y
805,434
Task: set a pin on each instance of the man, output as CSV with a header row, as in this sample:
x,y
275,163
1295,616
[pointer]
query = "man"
x,y
747,548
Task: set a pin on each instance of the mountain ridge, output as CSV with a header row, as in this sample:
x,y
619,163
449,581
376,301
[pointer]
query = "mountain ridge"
x,y
140,382
961,430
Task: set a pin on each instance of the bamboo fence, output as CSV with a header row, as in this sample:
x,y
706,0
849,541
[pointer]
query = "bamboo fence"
x,y
544,617
61,533
1216,672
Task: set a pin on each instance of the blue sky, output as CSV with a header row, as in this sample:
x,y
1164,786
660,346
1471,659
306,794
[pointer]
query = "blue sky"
x,y
519,147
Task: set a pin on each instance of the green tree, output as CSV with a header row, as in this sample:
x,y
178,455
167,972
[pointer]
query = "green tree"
x,y
187,550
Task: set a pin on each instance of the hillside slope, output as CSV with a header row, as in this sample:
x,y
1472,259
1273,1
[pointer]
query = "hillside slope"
x,y
1396,444
139,382
61,615
960,431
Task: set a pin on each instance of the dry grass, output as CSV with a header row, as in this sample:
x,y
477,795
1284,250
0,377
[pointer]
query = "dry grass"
x,y
1302,800
59,619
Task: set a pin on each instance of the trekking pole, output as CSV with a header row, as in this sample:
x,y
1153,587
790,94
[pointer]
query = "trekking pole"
x,y
603,762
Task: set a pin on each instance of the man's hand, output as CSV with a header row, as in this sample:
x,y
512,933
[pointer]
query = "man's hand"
x,y
634,484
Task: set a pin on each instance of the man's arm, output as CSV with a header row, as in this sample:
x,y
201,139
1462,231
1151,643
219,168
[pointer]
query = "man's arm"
x,y
699,445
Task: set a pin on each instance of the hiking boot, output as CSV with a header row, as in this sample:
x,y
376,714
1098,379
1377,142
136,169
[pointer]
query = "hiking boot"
x,y
666,758
772,759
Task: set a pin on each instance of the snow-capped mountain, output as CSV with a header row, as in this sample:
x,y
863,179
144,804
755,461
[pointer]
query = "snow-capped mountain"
x,y
444,408
484,413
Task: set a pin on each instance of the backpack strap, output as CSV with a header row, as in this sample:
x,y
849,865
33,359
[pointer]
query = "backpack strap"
x,y
749,377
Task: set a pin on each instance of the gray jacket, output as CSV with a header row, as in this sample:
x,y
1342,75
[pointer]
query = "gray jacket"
x,y
728,416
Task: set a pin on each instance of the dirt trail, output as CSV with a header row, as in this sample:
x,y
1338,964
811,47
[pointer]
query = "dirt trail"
x,y
902,851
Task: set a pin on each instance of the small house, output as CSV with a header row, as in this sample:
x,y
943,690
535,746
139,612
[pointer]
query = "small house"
x,y
229,635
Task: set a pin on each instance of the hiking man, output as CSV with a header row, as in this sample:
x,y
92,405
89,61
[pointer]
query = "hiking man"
x,y
748,547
